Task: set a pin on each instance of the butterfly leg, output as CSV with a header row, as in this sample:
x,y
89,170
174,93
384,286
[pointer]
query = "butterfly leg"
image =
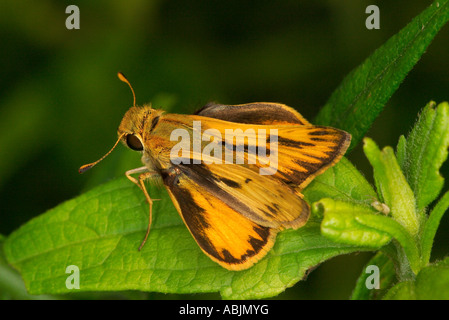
x,y
144,175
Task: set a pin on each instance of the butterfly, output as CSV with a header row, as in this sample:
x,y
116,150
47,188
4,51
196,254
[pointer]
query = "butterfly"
x,y
233,172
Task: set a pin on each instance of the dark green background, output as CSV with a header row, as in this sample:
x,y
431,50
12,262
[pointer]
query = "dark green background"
x,y
61,102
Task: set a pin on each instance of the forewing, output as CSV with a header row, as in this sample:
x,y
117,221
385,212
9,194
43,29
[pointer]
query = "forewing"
x,y
307,151
295,154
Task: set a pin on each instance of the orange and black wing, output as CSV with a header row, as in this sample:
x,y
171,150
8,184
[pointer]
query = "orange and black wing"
x,y
301,151
307,151
234,220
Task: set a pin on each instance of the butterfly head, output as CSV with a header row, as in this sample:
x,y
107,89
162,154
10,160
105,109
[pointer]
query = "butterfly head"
x,y
133,125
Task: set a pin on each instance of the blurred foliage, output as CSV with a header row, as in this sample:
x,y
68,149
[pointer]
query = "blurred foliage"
x,y
61,103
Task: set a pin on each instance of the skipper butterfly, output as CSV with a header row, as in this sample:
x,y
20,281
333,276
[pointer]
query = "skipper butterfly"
x,y
231,195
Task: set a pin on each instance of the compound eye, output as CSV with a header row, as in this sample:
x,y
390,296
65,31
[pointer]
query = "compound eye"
x,y
133,142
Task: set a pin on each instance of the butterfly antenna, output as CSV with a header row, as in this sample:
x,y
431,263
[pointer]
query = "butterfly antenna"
x,y
122,77
88,166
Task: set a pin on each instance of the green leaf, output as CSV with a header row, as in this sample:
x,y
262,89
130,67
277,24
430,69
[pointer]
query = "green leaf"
x,y
363,93
341,182
432,283
431,226
100,232
401,291
341,223
392,186
387,277
349,223
11,285
424,151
